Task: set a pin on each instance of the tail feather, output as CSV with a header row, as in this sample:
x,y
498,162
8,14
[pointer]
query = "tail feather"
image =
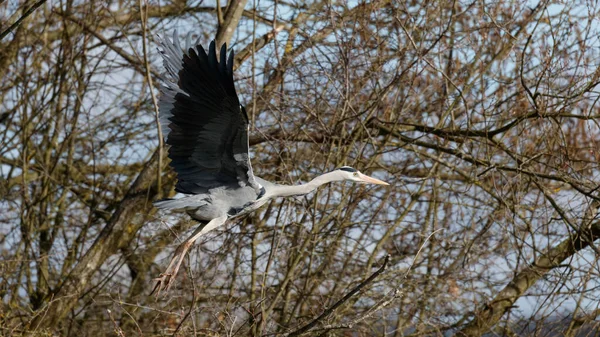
x,y
171,204
181,204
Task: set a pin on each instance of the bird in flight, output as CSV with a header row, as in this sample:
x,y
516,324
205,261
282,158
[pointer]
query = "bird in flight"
x,y
206,129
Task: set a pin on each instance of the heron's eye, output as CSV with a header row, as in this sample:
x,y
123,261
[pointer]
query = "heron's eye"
x,y
355,174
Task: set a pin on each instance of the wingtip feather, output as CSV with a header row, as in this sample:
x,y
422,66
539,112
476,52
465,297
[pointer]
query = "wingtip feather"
x,y
230,65
223,60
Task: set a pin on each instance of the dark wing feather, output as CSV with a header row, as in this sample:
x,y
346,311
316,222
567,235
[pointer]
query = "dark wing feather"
x,y
203,121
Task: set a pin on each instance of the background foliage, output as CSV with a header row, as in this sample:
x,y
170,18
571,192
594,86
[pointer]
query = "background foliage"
x,y
482,115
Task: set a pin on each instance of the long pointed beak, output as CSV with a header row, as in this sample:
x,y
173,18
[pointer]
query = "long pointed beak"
x,y
371,180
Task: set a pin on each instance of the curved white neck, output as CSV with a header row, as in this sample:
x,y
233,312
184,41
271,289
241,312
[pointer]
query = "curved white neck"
x,y
287,190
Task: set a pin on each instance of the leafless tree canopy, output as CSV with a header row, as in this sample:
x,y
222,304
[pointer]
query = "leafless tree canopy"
x,y
482,115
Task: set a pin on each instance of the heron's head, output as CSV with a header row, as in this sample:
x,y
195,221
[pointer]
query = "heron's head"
x,y
352,174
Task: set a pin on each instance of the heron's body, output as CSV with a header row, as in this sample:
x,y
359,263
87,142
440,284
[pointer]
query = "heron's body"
x,y
206,129
217,202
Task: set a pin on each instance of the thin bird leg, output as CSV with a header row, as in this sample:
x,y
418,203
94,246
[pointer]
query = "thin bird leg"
x,y
166,279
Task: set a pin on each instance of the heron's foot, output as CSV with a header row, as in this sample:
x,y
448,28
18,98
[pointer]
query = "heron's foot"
x,y
163,282
166,279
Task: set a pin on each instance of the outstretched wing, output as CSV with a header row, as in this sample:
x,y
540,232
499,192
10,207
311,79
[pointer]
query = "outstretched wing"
x,y
202,119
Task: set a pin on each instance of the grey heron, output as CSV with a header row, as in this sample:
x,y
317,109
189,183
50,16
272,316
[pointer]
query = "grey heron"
x,y
206,129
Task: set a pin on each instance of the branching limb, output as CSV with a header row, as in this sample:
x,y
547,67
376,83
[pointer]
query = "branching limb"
x,y
490,313
331,309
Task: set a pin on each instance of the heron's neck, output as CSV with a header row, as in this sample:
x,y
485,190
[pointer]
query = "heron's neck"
x,y
286,190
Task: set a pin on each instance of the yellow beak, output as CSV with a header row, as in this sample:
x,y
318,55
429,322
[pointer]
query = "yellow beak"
x,y
371,180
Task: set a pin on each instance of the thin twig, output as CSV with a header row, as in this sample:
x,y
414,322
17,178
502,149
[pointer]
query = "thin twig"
x,y
118,330
189,313
420,249
331,309
384,302
144,19
23,17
